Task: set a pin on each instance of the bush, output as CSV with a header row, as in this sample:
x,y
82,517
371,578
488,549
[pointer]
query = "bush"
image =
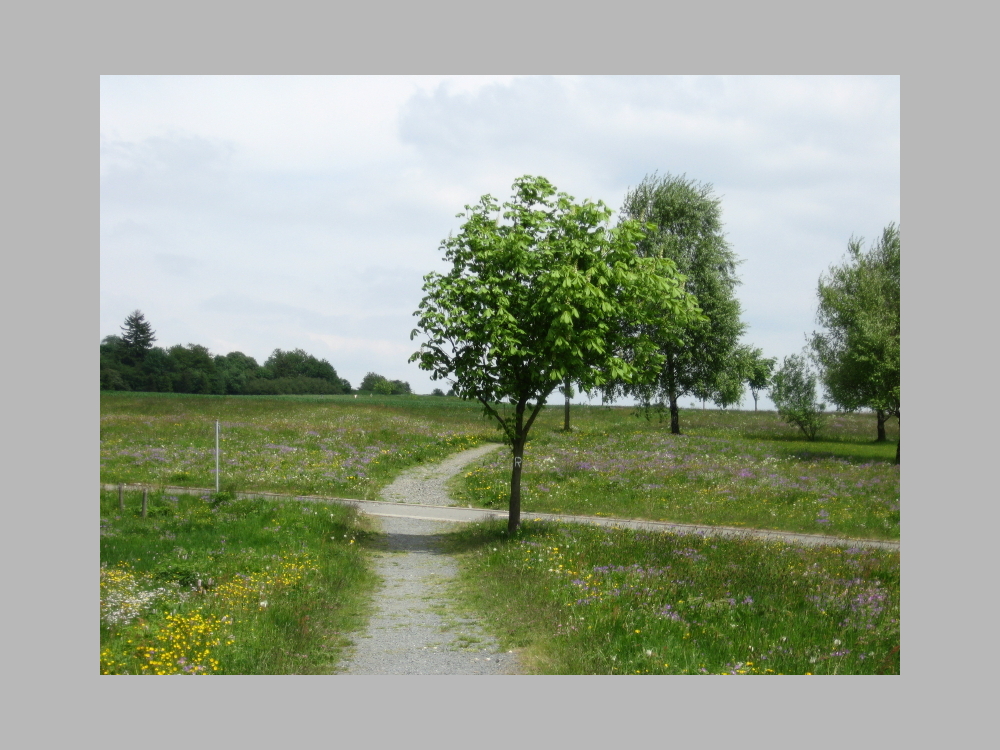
x,y
794,394
382,386
112,380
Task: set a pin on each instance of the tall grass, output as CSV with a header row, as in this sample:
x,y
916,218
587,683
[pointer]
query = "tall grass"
x,y
587,600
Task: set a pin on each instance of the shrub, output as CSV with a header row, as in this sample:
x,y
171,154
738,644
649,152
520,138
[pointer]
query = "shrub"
x,y
382,386
794,394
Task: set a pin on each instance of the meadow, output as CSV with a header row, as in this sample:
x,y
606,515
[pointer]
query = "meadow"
x,y
729,468
588,600
215,585
733,468
336,446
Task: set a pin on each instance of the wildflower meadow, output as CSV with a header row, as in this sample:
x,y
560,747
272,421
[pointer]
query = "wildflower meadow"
x,y
588,600
212,584
323,445
215,585
729,468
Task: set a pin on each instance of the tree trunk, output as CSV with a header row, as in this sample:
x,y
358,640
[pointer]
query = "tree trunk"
x,y
514,516
675,416
881,417
755,402
566,410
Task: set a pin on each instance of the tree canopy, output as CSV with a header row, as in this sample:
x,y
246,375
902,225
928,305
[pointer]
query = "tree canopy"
x,y
685,220
859,350
536,297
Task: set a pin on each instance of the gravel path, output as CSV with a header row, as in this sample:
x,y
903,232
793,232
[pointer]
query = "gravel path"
x,y
425,484
415,629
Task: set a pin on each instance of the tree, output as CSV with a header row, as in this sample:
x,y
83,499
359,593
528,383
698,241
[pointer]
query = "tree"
x,y
794,393
687,229
536,295
137,338
757,370
236,369
375,383
728,387
193,370
858,353
299,364
399,388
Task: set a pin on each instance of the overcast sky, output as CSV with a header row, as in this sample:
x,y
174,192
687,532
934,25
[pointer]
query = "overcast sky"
x,y
254,213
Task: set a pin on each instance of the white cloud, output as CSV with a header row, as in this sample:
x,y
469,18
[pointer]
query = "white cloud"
x,y
381,347
264,212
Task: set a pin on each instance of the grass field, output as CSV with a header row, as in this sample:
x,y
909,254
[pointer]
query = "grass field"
x,y
327,445
589,600
219,586
728,468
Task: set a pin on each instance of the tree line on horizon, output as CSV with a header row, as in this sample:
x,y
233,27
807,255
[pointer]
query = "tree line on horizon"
x,y
130,362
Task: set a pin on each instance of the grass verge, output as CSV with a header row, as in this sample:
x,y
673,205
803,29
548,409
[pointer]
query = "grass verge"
x,y
589,600
213,585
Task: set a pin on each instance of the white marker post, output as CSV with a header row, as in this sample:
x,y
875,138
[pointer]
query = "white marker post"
x,y
216,456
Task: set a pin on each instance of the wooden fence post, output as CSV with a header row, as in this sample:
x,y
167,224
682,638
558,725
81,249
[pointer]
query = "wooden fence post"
x,y
145,493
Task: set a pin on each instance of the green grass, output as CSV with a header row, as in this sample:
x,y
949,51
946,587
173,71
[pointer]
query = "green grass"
x,y
728,468
732,468
588,600
221,586
326,445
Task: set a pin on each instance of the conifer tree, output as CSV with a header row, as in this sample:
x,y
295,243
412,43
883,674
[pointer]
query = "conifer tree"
x,y
137,337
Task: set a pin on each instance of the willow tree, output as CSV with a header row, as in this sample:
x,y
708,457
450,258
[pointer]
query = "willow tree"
x,y
535,298
686,228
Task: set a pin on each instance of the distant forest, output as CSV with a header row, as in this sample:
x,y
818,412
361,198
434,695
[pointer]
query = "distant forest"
x,y
130,362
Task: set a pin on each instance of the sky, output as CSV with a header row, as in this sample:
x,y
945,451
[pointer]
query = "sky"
x,y
249,213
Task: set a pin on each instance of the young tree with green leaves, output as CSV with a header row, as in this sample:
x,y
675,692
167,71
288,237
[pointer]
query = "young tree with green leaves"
x,y
686,221
757,370
535,298
794,393
858,352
